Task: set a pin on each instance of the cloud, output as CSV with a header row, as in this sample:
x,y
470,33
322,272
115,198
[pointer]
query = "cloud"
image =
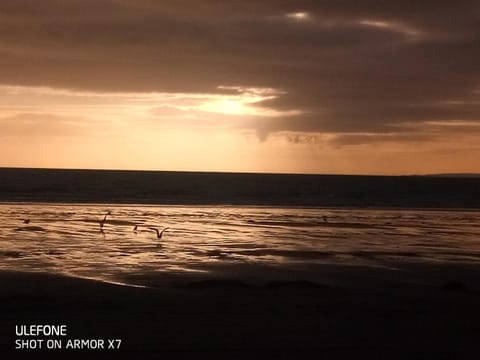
x,y
436,133
342,67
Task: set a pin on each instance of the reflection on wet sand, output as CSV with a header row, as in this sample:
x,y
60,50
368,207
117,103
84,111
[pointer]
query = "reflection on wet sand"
x,y
65,238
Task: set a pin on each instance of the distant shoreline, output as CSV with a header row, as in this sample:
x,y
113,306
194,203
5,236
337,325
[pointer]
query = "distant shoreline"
x,y
452,175
246,206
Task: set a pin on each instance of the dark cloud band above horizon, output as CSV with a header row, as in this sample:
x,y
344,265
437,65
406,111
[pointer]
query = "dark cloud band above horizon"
x,y
346,66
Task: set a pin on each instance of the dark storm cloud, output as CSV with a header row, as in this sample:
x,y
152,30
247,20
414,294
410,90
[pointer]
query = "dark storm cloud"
x,y
349,66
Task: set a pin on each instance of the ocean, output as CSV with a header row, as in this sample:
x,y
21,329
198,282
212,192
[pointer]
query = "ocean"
x,y
292,222
197,188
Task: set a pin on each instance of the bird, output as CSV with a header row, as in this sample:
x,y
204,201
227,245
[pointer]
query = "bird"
x,y
159,233
102,222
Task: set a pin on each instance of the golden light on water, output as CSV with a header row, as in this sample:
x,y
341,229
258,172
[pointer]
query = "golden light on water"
x,y
201,235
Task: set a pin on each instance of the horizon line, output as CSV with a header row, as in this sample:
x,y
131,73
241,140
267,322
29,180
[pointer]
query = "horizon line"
x,y
459,174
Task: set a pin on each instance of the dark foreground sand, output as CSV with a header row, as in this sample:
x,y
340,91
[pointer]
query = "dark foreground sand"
x,y
415,311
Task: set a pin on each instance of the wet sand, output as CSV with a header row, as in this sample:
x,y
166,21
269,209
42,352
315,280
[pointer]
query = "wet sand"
x,y
399,311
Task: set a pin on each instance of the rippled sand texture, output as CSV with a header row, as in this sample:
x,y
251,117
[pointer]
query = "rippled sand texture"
x,y
68,239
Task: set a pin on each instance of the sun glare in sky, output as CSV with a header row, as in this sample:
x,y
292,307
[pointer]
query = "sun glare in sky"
x,y
49,127
268,87
299,16
231,107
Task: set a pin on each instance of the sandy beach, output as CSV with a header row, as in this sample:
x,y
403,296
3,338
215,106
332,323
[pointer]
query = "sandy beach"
x,y
399,311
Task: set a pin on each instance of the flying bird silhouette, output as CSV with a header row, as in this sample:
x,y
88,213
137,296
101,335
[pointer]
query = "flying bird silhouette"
x,y
159,233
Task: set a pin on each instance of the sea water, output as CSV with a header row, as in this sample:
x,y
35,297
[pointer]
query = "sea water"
x,y
67,238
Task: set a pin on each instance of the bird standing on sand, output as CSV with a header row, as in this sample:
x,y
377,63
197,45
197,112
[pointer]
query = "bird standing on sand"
x,y
102,222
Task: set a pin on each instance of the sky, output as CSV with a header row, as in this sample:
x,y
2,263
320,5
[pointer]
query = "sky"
x,y
303,86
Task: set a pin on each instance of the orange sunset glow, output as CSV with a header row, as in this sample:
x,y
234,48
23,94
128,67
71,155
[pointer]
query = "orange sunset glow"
x,y
310,87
